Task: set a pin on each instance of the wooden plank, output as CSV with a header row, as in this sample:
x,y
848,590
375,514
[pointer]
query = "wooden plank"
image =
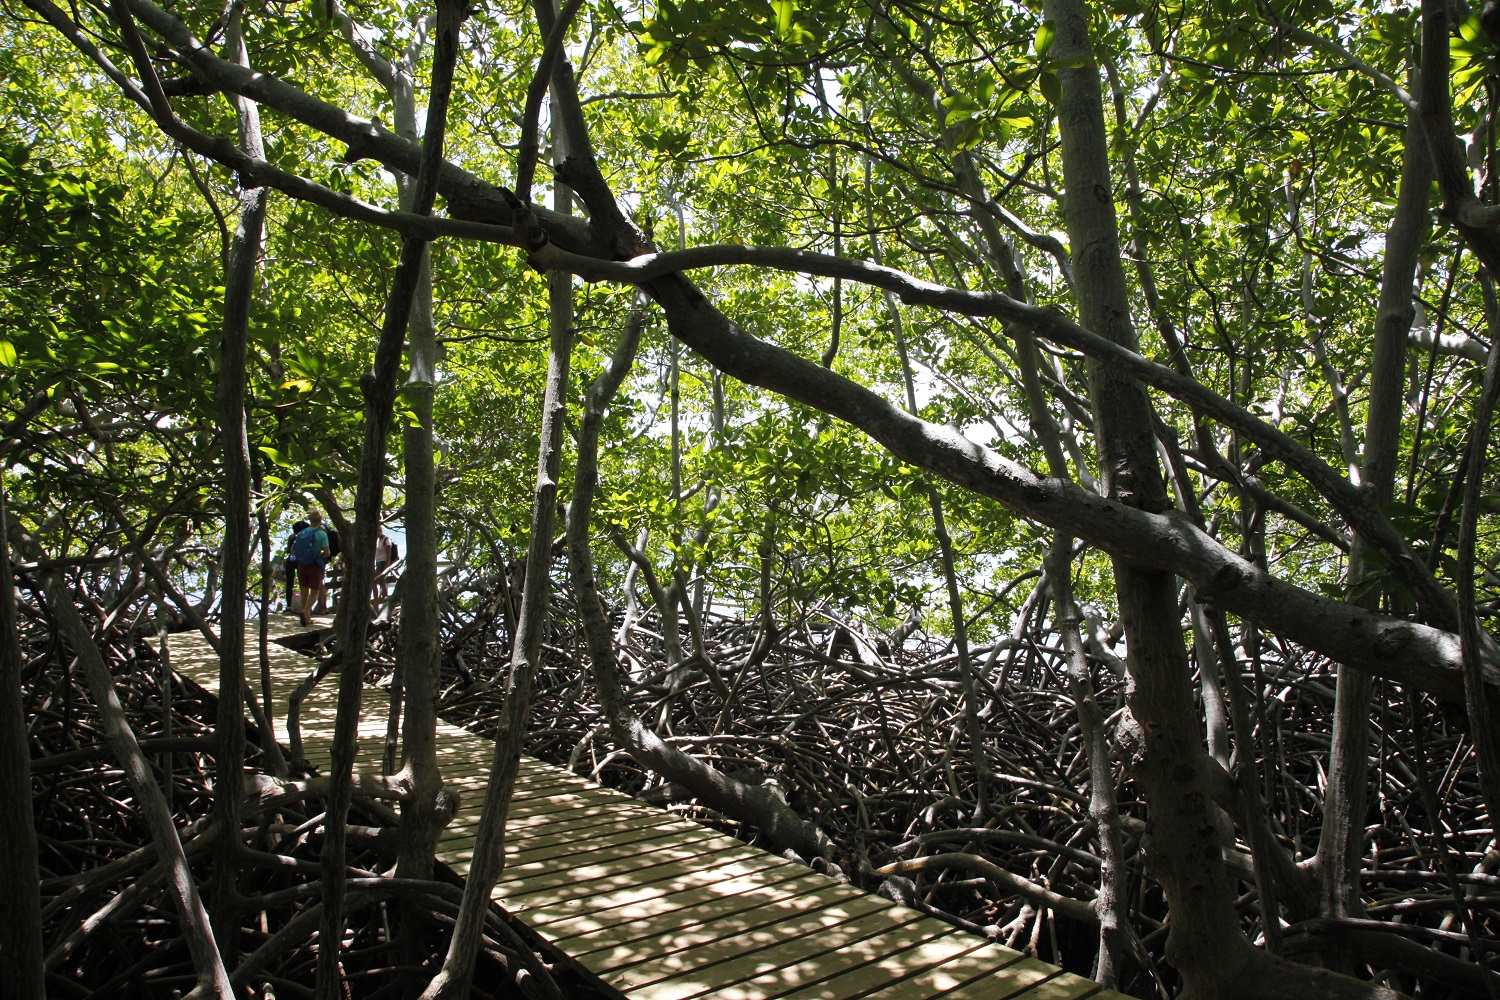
x,y
472,766
703,944
567,813
649,863
582,829
603,826
794,961
544,853
535,785
537,788
643,909
1009,983
638,892
547,814
953,973
895,968
757,906
550,808
589,879
559,846
527,843
1063,986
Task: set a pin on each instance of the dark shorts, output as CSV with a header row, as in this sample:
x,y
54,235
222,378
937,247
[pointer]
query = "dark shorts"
x,y
310,576
380,567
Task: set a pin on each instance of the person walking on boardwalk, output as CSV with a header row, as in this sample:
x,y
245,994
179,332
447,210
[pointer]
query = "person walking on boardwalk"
x,y
310,549
385,554
328,600
291,566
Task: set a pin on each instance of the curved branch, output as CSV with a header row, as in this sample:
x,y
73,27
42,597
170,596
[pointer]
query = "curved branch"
x,y
213,980
530,146
1327,45
1356,507
1479,224
1075,909
1427,657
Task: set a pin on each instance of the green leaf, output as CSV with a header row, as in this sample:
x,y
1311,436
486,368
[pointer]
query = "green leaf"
x,y
1051,88
7,354
784,10
1045,35
960,107
986,89
970,134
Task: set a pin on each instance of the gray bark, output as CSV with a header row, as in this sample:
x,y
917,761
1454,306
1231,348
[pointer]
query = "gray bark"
x,y
1480,702
239,292
454,978
416,685
1109,908
1341,840
20,892
1178,778
417,651
379,387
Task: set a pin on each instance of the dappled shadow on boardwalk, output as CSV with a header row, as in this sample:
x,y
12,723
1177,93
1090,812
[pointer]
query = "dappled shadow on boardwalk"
x,y
659,907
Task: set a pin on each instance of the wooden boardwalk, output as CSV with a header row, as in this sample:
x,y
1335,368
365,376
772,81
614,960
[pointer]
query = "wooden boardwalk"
x,y
658,907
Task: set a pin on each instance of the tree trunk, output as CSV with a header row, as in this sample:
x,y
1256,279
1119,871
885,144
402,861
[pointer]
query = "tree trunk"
x,y
1184,846
380,390
454,978
20,892
417,653
1480,700
239,292
753,804
1341,840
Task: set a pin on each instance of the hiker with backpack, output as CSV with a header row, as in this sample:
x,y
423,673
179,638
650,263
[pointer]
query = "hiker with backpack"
x,y
291,566
310,550
328,600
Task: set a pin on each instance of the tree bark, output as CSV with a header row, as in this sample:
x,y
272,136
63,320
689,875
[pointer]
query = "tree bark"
x,y
1180,782
454,978
1109,907
1341,839
20,891
379,388
239,292
1480,701
754,804
416,682
417,651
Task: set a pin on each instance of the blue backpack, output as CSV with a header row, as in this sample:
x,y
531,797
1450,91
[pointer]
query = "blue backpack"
x,y
305,547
